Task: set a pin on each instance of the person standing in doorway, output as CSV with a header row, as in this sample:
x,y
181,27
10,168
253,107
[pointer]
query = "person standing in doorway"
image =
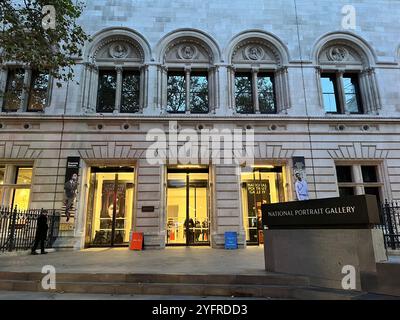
x,y
70,188
41,232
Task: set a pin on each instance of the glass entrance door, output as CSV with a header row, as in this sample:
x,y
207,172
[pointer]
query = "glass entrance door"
x,y
188,220
262,185
110,205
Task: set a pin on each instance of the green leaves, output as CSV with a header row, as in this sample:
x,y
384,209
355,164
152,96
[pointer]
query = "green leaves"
x,y
24,39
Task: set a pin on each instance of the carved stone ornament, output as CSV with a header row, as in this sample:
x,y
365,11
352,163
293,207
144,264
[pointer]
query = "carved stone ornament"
x,y
337,54
119,50
254,53
187,52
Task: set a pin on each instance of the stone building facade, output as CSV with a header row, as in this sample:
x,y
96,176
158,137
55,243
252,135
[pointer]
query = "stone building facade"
x,y
288,70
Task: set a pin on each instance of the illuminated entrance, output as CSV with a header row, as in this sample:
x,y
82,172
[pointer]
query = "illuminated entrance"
x,y
110,204
263,184
188,220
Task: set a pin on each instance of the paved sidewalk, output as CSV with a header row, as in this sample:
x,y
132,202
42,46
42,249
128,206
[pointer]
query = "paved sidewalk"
x,y
197,260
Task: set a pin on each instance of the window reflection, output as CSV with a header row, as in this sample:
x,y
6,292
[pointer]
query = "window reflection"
x,y
243,93
130,92
266,96
176,95
350,85
198,93
329,93
106,91
14,86
38,91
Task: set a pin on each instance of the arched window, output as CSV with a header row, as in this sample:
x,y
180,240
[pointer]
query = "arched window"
x,y
258,76
115,74
188,76
345,76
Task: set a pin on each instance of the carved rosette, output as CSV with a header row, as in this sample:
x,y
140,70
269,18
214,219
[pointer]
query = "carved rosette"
x,y
254,53
337,54
119,50
187,52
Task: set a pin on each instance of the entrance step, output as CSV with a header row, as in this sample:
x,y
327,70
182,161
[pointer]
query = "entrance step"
x,y
269,286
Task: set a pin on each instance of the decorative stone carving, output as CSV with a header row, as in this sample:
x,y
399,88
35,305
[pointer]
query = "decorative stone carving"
x,y
118,50
340,53
188,50
255,50
337,53
253,53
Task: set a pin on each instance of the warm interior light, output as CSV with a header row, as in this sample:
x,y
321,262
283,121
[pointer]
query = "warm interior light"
x,y
189,166
262,166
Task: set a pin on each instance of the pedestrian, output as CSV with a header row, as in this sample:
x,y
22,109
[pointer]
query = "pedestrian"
x,y
41,232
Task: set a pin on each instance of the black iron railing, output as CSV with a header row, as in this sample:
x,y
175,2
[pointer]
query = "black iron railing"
x,y
390,218
18,228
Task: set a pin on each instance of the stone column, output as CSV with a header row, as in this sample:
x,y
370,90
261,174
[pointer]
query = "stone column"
x,y
153,81
286,88
118,91
187,88
319,88
375,90
341,95
93,85
254,72
163,88
231,89
26,89
279,91
3,84
365,92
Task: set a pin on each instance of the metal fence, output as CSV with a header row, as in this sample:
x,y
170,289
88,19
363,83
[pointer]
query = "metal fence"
x,y
18,228
390,218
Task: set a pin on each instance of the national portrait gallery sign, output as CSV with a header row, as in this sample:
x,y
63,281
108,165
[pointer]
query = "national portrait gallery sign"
x,y
344,212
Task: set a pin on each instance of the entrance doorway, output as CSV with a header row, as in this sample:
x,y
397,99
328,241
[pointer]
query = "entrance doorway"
x,y
260,185
110,205
188,220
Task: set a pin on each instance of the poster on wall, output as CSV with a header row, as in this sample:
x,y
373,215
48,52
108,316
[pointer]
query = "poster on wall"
x,y
299,171
71,186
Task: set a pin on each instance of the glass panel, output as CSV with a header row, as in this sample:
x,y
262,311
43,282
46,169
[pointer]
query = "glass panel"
x,y
106,91
21,198
14,86
243,93
374,191
2,174
369,173
266,95
261,186
329,93
176,208
176,93
199,223
38,91
24,176
346,191
109,189
350,87
130,92
198,94
344,173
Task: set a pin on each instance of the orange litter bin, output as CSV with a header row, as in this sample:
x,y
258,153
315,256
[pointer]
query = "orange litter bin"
x,y
136,241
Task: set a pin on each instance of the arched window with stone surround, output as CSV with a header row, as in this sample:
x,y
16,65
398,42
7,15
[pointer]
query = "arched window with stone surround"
x,y
346,75
115,74
258,75
188,76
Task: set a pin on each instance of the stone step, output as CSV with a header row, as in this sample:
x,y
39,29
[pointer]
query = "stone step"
x,y
188,289
267,279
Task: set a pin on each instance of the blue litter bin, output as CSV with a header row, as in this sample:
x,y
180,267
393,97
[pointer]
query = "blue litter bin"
x,y
231,240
